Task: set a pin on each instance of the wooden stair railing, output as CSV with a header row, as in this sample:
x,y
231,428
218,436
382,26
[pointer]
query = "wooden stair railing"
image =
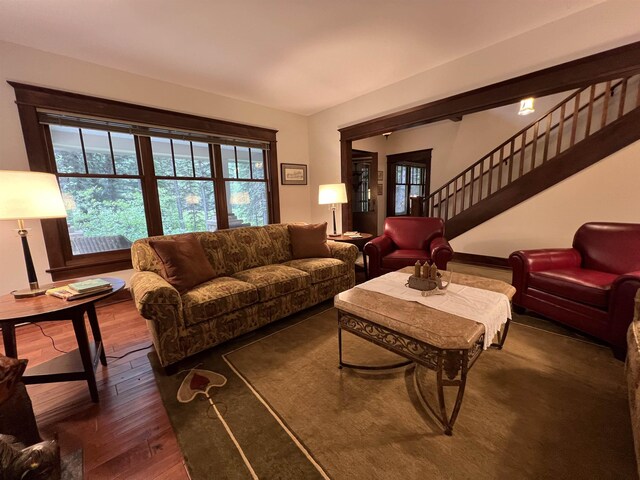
x,y
517,156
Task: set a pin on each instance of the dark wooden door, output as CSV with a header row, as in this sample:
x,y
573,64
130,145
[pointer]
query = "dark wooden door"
x,y
364,191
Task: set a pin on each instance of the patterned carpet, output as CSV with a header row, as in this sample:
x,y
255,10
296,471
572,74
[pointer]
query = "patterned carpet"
x,y
547,406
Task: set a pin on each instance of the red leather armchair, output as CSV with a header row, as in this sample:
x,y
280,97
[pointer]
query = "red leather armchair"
x,y
405,240
590,287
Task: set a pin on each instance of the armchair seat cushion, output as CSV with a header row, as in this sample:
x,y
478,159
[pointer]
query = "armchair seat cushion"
x,y
320,269
404,258
580,285
217,297
273,281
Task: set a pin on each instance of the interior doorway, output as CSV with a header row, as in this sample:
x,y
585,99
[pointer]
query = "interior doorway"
x,y
364,183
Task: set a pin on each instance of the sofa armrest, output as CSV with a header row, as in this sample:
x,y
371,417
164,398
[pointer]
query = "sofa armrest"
x,y
441,252
344,251
621,309
160,303
149,289
523,262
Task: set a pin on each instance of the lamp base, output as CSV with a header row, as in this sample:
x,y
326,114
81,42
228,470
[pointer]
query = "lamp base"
x,y
334,234
28,292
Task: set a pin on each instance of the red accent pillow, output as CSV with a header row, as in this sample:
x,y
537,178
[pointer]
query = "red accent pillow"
x,y
309,241
184,261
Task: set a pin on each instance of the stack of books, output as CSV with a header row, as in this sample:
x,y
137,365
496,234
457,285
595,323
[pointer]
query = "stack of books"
x,y
77,290
352,234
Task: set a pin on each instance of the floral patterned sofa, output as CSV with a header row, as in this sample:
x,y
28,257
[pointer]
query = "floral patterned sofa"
x,y
257,282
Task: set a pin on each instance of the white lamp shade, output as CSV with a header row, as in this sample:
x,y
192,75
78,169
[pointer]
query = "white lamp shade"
x,y
332,193
25,195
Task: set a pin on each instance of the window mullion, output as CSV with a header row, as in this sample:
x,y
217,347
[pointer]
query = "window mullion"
x,y
149,186
222,212
84,153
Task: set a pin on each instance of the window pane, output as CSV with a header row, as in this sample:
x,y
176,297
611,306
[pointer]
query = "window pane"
x,y
247,204
67,149
228,161
401,200
416,175
98,151
182,157
415,190
103,213
162,160
244,170
257,163
124,153
187,206
201,159
401,174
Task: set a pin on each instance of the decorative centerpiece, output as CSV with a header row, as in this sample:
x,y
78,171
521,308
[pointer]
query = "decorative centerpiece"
x,y
427,279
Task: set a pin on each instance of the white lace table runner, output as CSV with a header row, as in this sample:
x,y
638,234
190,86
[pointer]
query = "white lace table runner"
x,y
491,309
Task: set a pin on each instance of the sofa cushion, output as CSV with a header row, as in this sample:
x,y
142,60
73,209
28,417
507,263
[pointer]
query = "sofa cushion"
x,y
184,261
275,280
403,258
217,297
581,285
320,269
309,241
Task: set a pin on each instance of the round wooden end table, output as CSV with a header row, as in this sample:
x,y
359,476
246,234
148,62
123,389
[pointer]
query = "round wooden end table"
x,y
76,365
357,241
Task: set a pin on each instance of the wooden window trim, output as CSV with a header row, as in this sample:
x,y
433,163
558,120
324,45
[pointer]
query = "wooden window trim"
x,y
417,157
29,98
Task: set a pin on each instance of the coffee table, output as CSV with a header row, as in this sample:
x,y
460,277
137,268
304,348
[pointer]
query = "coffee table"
x,y
442,342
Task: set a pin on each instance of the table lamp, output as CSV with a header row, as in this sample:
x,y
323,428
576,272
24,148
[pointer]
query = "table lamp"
x,y
29,195
332,194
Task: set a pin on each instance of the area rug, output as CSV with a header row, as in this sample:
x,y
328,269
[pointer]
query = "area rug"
x,y
547,406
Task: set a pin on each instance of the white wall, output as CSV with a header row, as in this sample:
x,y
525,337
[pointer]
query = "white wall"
x,y
35,67
596,29
456,145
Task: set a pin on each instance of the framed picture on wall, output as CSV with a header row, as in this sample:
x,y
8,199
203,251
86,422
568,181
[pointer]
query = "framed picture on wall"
x,y
293,174
380,175
380,189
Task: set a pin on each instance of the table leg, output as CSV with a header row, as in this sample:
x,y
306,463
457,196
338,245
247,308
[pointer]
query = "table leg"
x,y
9,340
502,336
95,330
85,354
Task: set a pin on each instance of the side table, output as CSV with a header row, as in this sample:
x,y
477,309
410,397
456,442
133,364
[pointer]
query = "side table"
x,y
76,365
358,242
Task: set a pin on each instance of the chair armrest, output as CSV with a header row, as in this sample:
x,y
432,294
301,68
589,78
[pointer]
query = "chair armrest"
x,y
375,250
344,251
523,262
441,252
546,259
621,306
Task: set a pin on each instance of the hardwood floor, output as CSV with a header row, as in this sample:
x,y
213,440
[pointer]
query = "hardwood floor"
x,y
127,435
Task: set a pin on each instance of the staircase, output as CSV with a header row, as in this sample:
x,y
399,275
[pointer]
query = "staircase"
x,y
589,125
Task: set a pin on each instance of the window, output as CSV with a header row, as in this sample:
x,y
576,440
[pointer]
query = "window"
x,y
409,175
123,179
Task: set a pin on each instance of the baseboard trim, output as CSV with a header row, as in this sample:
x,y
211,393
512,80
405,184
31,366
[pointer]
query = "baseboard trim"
x,y
482,260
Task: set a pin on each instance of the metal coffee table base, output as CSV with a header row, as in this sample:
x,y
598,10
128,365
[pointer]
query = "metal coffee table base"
x,y
451,365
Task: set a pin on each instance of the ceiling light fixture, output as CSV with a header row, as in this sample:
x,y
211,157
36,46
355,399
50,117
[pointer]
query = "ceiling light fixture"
x,y
526,106
386,135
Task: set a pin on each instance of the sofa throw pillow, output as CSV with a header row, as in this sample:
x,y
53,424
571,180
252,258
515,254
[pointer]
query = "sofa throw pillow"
x,y
309,241
184,262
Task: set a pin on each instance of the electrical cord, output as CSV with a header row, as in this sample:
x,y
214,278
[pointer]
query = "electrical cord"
x,y
130,352
53,344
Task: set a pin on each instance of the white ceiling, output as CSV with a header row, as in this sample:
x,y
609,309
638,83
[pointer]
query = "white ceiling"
x,y
301,56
